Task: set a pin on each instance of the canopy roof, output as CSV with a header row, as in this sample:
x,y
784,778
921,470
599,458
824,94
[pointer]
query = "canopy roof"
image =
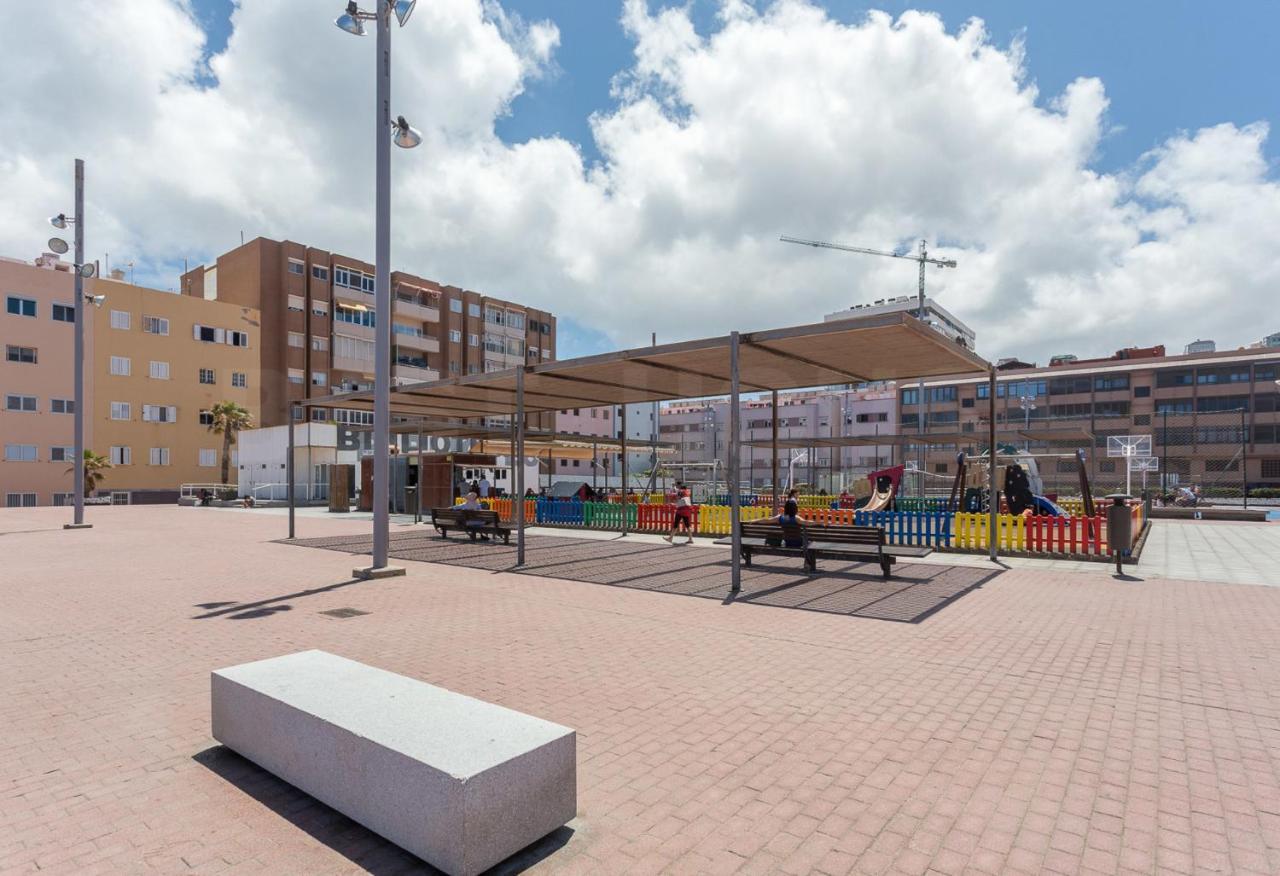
x,y
860,349
928,438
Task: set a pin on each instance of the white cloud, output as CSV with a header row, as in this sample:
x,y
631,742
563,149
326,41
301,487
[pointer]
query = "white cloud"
x,y
781,121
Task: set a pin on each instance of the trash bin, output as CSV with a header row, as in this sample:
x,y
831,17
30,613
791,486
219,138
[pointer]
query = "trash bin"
x,y
1119,527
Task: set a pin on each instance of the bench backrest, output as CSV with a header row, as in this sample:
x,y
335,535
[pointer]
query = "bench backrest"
x,y
461,515
868,535
448,515
774,529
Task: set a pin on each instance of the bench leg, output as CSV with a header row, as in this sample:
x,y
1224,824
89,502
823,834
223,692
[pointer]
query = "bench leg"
x,y
746,557
886,566
811,562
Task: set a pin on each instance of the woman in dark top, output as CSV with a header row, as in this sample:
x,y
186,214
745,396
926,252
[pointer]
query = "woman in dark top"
x,y
790,515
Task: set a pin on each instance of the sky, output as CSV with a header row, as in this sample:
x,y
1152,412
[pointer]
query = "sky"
x,y
1104,173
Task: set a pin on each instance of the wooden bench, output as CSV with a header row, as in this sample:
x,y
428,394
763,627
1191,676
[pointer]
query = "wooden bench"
x,y
461,783
469,521
863,543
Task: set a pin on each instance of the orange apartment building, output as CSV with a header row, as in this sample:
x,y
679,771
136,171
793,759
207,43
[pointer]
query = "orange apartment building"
x,y
318,323
155,363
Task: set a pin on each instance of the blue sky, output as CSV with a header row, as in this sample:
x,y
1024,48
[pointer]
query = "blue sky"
x,y
1169,66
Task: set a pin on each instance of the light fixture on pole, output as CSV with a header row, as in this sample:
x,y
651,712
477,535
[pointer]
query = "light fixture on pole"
x,y
82,272
1027,403
352,21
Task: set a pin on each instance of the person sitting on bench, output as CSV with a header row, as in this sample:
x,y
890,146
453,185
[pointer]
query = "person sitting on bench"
x,y
472,503
791,516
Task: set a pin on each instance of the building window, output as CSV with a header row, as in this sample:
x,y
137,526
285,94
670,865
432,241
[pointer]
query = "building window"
x,y
61,453
320,345
208,457
159,370
20,500
473,310
296,267
1173,378
319,378
239,379
61,500
121,456
353,418
319,273
20,453
155,325
453,366
355,315
62,406
159,413
121,411
455,336
206,418
297,304
1271,468
64,313
475,340
1111,382
16,305
296,375
297,339
207,376
26,355
121,366
455,305
319,415
320,308
1141,392
24,403
159,456
121,319
238,339
910,396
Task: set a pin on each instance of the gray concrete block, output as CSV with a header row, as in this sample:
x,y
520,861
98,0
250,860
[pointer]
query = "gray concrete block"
x,y
461,783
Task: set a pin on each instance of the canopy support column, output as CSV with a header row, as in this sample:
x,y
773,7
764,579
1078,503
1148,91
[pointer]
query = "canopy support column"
x,y
417,489
289,468
991,473
735,464
774,412
518,469
623,421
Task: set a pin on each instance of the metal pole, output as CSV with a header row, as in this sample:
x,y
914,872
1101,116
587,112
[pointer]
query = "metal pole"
x,y
382,288
518,472
624,469
1164,462
920,407
653,429
78,365
288,465
774,411
417,517
1244,459
595,465
994,503
735,512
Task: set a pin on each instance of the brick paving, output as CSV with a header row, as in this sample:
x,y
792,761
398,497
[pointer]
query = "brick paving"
x,y
1043,722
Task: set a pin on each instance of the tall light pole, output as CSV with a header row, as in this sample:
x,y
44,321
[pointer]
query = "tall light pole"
x,y
1027,403
62,220
352,21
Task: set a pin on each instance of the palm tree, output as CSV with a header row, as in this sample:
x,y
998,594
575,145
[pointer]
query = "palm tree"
x,y
228,419
95,467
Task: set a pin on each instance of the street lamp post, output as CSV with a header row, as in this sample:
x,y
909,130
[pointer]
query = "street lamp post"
x,y
62,220
352,21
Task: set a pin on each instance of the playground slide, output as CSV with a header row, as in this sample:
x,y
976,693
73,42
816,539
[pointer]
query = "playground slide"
x,y
880,499
1042,506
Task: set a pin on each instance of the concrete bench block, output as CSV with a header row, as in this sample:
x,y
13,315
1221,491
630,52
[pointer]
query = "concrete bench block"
x,y
461,783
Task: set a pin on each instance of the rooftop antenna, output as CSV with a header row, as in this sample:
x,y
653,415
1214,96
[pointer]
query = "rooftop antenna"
x,y
922,258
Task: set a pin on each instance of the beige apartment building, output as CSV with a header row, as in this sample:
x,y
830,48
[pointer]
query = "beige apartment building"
x,y
1213,417
37,330
155,363
318,322
162,362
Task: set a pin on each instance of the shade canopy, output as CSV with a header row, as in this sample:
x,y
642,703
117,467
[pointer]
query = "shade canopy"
x,y
928,438
856,350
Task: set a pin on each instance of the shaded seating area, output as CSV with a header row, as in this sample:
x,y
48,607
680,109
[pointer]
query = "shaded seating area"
x,y
469,521
811,543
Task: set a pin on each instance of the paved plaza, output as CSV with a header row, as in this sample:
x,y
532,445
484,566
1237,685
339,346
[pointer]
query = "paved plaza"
x,y
963,717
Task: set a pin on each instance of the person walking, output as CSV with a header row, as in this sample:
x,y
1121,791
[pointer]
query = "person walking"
x,y
683,516
484,486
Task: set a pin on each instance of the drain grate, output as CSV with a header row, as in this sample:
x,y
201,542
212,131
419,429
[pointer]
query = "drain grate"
x,y
344,612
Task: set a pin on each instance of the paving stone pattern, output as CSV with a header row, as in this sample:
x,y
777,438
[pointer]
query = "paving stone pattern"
x,y
1045,722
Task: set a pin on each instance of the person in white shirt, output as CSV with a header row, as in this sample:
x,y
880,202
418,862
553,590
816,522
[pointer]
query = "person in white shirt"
x,y
484,487
472,503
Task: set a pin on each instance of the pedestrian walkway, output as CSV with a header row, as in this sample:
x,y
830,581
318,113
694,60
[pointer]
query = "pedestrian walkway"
x,y
1208,550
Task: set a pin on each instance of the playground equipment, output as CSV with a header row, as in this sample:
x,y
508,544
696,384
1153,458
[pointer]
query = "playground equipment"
x,y
884,487
1021,498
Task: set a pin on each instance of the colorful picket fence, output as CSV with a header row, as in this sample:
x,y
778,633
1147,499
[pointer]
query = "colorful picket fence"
x,y
1074,535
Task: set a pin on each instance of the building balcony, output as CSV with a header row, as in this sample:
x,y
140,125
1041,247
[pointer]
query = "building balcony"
x,y
353,296
356,366
414,374
421,343
412,309
351,330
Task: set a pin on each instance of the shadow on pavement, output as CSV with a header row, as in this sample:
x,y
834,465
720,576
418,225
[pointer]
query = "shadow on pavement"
x,y
353,841
268,607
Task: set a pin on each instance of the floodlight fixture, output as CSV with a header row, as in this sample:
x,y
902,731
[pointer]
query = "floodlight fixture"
x,y
352,21
86,270
403,9
58,245
60,221
95,300
406,136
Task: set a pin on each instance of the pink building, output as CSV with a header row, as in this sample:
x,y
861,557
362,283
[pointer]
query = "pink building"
x,y
37,330
588,422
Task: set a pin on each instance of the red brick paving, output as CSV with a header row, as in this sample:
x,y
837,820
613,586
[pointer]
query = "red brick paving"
x,y
1045,722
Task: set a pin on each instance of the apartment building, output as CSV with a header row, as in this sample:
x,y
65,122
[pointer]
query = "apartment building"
x,y
699,430
936,316
162,361
589,423
1212,416
155,363
37,330
318,320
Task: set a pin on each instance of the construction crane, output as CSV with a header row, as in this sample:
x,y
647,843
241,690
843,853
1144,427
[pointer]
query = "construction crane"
x,y
922,258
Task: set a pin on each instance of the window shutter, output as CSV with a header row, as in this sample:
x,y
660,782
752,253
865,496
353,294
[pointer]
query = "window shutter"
x,y
219,335
195,331
173,413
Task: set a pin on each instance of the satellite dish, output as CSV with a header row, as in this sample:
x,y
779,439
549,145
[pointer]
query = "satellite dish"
x,y
86,271
58,245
